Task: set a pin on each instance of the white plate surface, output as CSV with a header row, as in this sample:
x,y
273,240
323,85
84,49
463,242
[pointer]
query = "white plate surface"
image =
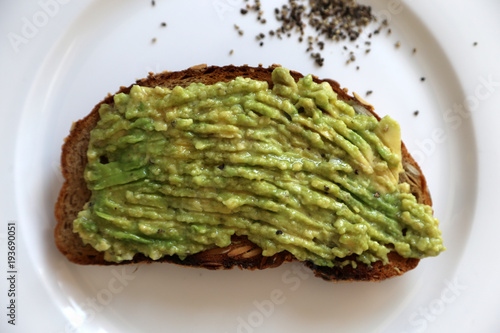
x,y
60,58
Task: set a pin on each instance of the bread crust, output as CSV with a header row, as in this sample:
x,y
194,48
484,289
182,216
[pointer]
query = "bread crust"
x,y
241,252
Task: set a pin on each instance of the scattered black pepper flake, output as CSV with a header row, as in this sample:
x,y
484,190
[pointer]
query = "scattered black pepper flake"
x,y
415,113
237,27
160,231
279,232
475,44
356,171
261,43
231,52
318,59
287,116
369,92
414,50
334,20
326,188
422,79
103,159
221,167
163,24
357,68
153,3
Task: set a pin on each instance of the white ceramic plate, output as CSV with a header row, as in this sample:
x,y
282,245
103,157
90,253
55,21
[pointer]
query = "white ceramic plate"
x,y
60,58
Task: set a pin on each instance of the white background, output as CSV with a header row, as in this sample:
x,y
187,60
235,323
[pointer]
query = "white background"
x,y
78,51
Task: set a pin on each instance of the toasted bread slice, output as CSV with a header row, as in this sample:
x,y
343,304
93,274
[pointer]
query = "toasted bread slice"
x,y
241,252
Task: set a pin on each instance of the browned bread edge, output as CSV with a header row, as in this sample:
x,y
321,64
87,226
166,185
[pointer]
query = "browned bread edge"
x,y
241,253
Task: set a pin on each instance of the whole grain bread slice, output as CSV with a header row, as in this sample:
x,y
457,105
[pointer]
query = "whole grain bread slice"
x,y
241,252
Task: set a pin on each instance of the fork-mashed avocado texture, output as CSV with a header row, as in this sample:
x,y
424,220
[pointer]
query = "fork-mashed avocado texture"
x,y
176,172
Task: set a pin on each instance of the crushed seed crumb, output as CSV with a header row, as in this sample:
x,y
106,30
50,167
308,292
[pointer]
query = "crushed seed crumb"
x,y
231,52
398,44
153,40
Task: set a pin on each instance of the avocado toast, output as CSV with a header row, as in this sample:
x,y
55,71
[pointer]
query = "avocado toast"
x,y
76,206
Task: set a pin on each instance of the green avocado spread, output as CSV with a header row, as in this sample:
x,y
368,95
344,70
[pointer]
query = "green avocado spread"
x,y
176,172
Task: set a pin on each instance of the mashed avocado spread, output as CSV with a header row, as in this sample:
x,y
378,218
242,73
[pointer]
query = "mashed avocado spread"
x,y
176,172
